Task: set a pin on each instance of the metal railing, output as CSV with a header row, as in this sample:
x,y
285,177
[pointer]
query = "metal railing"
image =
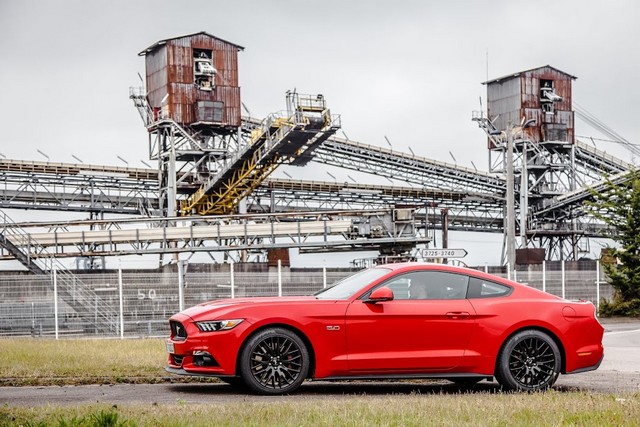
x,y
139,303
63,283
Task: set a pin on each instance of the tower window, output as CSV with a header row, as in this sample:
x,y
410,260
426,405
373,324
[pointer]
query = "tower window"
x,y
204,73
548,96
546,87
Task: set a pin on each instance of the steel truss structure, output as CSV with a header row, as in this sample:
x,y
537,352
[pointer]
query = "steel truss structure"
x,y
473,199
552,181
467,211
405,167
87,188
77,187
186,154
471,211
383,230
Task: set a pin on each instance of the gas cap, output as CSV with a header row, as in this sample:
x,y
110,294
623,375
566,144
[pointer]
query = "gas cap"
x,y
569,313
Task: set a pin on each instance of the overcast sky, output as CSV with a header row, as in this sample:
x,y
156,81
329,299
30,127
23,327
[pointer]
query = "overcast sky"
x,y
410,70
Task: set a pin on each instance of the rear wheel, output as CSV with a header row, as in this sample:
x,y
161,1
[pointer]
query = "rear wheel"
x,y
529,361
274,361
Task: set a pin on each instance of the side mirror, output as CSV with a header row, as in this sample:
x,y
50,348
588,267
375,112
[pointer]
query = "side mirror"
x,y
381,294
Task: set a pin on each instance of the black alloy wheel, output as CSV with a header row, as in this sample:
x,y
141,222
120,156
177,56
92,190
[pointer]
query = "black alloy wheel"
x,y
275,361
529,361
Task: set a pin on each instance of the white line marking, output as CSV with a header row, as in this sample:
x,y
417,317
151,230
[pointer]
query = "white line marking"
x,y
622,332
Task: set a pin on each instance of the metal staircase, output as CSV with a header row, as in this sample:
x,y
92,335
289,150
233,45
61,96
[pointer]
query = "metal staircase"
x,y
24,259
289,138
70,288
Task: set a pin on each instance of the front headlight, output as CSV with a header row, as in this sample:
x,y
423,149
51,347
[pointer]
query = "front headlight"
x,y
218,325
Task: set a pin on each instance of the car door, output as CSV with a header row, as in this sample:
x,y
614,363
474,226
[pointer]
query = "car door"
x,y
407,334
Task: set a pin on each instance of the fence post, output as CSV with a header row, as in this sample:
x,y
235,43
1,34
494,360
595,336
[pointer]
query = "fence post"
x,y
233,280
508,271
55,300
324,277
121,301
515,275
279,278
180,286
562,268
597,287
544,276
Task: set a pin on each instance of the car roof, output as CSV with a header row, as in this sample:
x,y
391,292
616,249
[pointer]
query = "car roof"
x,y
427,266
410,266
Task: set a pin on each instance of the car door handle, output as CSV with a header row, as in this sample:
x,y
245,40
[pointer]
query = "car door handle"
x,y
457,315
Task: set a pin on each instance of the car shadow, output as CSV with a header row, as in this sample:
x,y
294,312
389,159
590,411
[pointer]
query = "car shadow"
x,y
341,388
354,388
395,387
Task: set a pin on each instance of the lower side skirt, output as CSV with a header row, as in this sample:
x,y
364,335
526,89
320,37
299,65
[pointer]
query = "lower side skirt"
x,y
179,371
407,377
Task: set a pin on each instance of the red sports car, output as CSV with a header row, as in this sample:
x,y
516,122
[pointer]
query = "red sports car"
x,y
410,320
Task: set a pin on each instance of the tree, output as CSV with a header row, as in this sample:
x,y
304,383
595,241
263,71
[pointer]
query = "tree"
x,y
618,205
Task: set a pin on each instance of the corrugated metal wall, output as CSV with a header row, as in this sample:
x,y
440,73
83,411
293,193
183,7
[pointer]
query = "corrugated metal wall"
x,y
516,97
170,70
156,66
504,103
563,114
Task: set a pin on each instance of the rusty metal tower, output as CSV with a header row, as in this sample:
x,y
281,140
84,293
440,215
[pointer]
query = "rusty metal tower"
x,y
191,107
530,127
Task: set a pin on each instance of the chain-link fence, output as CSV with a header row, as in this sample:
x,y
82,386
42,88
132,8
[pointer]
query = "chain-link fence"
x,y
128,304
134,304
573,280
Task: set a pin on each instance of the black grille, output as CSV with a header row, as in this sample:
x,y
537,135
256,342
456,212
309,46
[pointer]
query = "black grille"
x,y
178,332
204,360
177,360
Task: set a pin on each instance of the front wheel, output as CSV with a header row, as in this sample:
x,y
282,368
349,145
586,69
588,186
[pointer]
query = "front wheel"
x,y
274,361
529,361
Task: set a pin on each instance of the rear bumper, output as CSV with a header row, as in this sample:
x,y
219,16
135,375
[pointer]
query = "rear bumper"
x,y
588,368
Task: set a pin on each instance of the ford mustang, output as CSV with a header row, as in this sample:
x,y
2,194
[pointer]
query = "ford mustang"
x,y
397,321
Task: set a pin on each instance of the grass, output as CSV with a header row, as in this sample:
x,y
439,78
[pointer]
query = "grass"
x,y
81,361
474,409
49,362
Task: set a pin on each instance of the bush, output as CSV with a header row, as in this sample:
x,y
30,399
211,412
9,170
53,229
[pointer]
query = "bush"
x,y
619,307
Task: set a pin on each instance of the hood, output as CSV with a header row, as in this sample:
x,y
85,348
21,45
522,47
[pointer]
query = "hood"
x,y
215,309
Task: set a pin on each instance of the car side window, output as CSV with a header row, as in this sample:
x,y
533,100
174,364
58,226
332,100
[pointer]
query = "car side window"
x,y
399,286
440,285
481,288
428,285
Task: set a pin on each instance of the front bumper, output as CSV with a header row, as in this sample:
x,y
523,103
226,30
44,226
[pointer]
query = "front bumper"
x,y
204,353
179,371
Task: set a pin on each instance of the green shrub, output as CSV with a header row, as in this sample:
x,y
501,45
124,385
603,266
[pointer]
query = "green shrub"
x,y
620,308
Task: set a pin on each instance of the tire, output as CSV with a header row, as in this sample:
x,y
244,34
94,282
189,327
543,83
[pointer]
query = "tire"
x,y
274,361
530,360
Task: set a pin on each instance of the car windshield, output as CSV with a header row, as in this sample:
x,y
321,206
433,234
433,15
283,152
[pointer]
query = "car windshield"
x,y
346,287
